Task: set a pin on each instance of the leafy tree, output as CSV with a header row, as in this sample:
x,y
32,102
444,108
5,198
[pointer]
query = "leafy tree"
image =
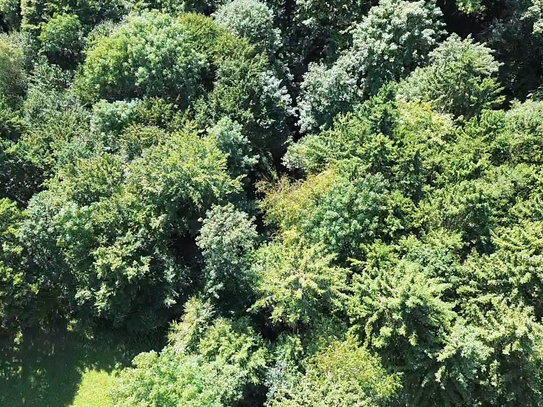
x,y
512,29
227,239
113,120
320,26
242,157
37,12
182,6
19,178
10,14
518,140
340,212
342,374
191,59
403,142
62,39
253,20
400,311
296,283
226,352
536,11
500,345
461,79
331,198
126,275
57,121
148,55
14,79
392,40
326,92
16,292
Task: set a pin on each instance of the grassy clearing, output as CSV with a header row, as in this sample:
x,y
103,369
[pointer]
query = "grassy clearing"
x,y
94,389
64,368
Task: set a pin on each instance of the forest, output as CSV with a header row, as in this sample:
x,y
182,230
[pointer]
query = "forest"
x,y
264,203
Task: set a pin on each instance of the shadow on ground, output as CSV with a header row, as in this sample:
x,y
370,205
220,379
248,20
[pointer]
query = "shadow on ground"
x,y
44,369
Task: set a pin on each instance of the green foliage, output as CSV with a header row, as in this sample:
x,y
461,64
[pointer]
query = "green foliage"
x,y
470,6
511,30
296,283
460,79
10,13
332,198
519,141
341,212
319,27
388,44
148,55
401,141
191,62
242,159
342,374
227,352
113,121
16,293
19,178
227,239
326,93
62,39
182,6
393,40
483,361
250,19
335,14
248,92
535,11
155,199
400,311
56,120
13,80
36,12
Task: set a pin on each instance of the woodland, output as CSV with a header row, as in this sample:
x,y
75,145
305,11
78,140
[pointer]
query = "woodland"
x,y
296,203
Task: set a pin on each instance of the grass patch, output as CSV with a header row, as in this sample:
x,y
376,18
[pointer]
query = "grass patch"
x,y
64,368
94,389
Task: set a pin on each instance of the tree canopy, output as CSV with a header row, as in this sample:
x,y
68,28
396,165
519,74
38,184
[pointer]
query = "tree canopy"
x,y
318,203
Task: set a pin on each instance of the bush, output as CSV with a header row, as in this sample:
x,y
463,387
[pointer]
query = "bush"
x,y
62,39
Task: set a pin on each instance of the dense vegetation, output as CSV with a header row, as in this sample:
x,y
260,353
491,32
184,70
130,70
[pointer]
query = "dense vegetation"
x,y
323,203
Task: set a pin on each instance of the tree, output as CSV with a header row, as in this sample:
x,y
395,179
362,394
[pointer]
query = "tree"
x,y
126,275
392,40
461,79
253,20
227,239
16,291
325,94
10,14
62,39
296,283
342,374
90,13
226,352
400,312
148,55
339,211
13,81
57,121
191,62
243,158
